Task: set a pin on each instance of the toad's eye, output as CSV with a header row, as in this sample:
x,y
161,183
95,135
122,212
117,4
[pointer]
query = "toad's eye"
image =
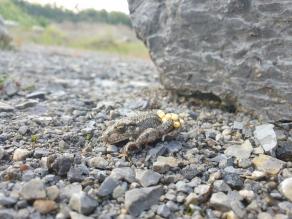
x,y
121,128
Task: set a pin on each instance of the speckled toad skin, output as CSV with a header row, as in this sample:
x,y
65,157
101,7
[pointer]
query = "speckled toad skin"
x,y
141,129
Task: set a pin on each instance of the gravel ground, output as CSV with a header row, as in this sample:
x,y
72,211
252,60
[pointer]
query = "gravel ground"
x,y
54,105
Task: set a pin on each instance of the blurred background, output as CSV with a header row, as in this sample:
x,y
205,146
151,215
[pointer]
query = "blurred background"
x,y
99,25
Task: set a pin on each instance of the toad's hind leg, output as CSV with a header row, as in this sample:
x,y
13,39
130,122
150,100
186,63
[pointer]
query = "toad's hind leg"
x,y
150,135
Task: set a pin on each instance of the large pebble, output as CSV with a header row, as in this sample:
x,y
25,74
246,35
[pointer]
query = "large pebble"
x,y
163,211
98,162
201,194
264,215
220,186
20,154
240,151
11,87
59,164
7,214
220,201
182,186
36,95
233,180
108,186
148,178
71,189
82,203
77,173
266,136
40,152
45,206
74,215
4,107
286,188
163,164
34,189
2,153
138,200
268,164
53,192
124,173
284,151
120,190
7,201
26,104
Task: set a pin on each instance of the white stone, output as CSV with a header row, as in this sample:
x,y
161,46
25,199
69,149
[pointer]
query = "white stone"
x,y
82,203
163,164
20,154
5,107
286,188
34,189
240,151
266,136
2,153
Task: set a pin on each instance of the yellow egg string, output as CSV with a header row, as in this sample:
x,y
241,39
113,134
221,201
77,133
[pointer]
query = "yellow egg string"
x,y
177,122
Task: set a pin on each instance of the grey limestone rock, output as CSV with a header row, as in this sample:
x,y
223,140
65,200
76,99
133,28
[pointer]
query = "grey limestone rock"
x,y
234,51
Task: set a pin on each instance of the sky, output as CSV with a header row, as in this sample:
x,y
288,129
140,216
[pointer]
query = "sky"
x,y
109,5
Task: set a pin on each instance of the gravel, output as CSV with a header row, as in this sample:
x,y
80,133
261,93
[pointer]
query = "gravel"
x,y
148,178
82,203
54,164
138,200
108,186
286,188
34,189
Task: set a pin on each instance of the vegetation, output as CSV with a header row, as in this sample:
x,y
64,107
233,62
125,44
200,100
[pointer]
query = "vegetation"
x,y
89,29
33,14
3,78
98,38
10,11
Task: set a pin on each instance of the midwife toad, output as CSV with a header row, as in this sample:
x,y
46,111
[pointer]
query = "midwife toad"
x,y
142,129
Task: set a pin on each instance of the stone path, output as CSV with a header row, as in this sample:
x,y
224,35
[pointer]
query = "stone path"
x,y
54,105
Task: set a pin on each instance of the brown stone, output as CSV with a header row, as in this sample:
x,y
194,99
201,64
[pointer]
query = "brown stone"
x,y
45,206
268,164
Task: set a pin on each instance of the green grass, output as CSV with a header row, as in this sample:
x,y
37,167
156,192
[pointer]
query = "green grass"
x,y
52,35
108,44
10,11
87,36
3,79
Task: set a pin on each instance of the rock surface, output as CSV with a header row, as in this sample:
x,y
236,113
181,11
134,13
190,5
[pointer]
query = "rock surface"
x,y
237,51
